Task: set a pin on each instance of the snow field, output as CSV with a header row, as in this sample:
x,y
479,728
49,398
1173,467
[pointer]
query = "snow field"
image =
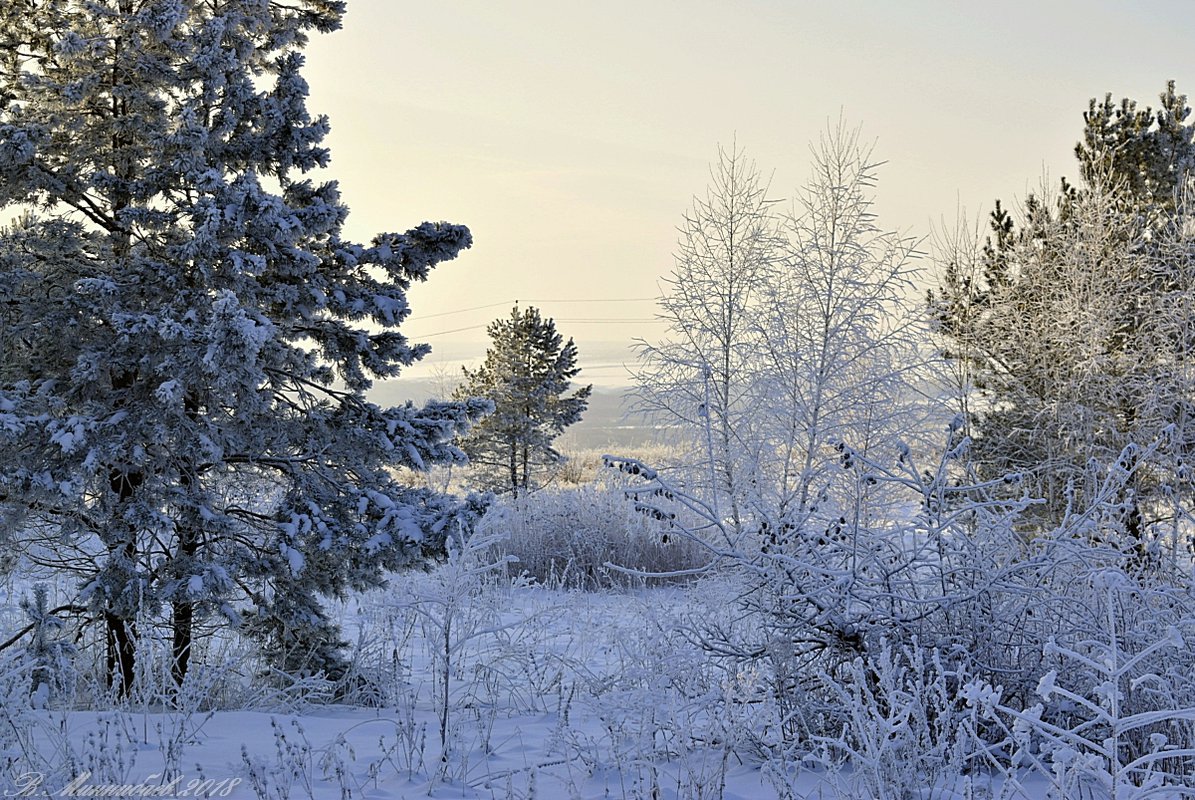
x,y
468,681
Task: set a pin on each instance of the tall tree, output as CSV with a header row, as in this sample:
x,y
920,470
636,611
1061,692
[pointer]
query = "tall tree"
x,y
838,339
826,363
527,375
787,333
698,378
1069,322
187,339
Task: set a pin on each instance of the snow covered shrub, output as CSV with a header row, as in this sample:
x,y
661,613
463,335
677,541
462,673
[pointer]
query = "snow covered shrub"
x,y
899,713
823,592
52,674
1116,713
457,614
572,537
579,468
1040,589
18,755
665,712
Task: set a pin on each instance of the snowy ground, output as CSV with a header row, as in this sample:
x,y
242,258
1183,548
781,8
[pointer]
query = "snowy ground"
x,y
553,694
550,694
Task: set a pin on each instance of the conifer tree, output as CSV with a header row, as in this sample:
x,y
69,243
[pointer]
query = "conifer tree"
x,y
1149,153
187,339
1069,319
527,374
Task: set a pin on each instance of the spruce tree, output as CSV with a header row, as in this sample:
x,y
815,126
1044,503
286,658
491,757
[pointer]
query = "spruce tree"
x,y
527,374
187,339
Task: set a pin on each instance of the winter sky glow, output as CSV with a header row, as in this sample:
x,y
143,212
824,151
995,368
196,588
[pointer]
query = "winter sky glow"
x,y
571,136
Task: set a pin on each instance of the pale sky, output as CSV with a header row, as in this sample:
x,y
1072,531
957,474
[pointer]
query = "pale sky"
x,y
571,136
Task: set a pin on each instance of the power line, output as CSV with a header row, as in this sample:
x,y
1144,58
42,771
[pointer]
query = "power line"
x,y
604,320
593,300
587,321
533,302
463,310
443,333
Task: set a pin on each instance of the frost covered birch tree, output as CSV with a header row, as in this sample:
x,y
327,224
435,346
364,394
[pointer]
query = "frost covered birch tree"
x,y
698,379
838,340
788,333
827,364
186,337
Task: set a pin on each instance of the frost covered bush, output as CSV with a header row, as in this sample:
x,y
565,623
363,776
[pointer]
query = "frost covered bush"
x,y
571,537
865,632
16,721
1116,712
482,659
899,712
50,653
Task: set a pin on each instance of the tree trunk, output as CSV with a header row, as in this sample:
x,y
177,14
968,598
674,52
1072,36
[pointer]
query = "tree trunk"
x,y
183,615
525,482
122,653
121,626
183,620
514,468
189,530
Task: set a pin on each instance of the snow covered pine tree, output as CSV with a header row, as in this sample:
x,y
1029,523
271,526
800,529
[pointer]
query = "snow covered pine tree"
x,y
184,335
1074,324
